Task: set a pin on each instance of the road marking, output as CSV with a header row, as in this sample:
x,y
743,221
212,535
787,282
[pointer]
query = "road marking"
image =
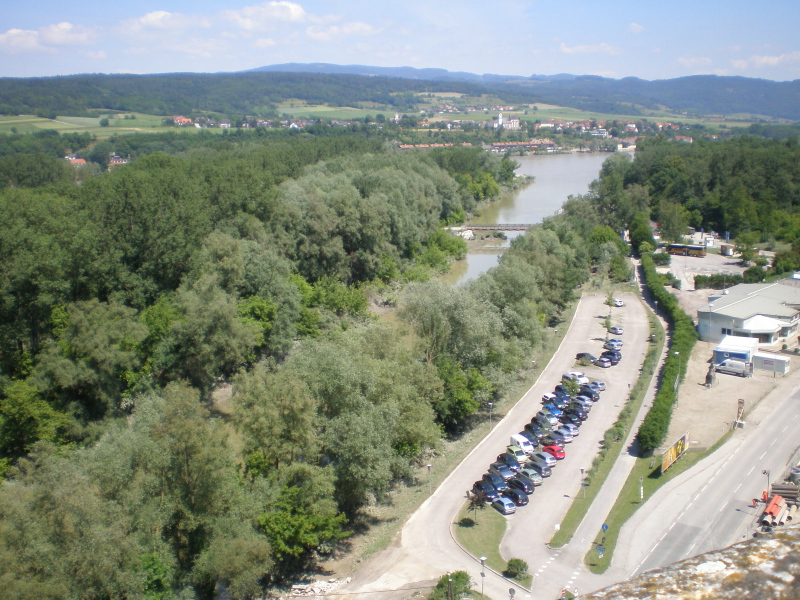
x,y
737,488
663,536
691,547
751,470
784,429
763,455
671,526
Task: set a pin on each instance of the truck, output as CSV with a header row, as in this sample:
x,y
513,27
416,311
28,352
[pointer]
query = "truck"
x,y
734,367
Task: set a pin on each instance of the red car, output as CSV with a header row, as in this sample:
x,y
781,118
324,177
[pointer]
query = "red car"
x,y
556,452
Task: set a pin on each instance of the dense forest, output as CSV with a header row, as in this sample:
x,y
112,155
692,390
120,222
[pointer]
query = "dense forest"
x,y
257,93
194,390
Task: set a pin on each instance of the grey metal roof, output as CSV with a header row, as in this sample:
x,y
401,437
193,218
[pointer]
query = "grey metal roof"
x,y
749,299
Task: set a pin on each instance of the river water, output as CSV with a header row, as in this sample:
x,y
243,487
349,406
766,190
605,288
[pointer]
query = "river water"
x,y
558,176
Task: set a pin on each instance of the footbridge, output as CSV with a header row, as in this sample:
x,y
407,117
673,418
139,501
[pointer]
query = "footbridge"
x,y
500,227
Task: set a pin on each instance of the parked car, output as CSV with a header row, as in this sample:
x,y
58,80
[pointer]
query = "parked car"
x,y
609,345
559,400
501,469
618,302
560,389
585,357
547,416
543,424
573,428
615,330
586,390
583,401
510,461
566,432
616,341
575,376
504,506
571,419
522,483
614,357
484,490
577,413
495,481
559,439
534,430
556,452
540,467
517,496
530,474
602,362
531,437
517,452
553,410
544,457
598,385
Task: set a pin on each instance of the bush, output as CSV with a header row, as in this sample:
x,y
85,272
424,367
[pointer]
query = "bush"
x,y
661,259
461,586
516,569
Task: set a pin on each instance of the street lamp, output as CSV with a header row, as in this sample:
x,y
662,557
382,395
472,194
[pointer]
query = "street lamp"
x,y
766,472
656,307
491,404
430,490
483,572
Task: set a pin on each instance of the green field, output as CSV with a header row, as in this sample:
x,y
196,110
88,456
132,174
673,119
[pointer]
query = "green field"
x,y
141,124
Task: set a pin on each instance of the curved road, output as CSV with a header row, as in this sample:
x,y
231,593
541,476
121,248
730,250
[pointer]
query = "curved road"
x,y
426,548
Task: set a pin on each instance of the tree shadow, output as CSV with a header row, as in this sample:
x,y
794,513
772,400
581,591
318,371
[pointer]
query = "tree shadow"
x,y
467,522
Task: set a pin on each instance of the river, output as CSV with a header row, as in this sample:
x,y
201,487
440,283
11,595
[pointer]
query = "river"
x,y
558,176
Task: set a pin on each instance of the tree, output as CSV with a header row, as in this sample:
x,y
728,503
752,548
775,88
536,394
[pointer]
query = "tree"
x,y
104,122
26,418
477,502
745,246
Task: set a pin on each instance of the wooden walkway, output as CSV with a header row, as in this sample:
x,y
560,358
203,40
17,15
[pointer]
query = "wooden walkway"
x,y
499,227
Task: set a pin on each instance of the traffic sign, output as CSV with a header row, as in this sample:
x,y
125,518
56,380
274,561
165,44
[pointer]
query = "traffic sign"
x,y
600,551
605,527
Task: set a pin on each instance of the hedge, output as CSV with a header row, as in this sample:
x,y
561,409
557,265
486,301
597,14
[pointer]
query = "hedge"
x,y
654,428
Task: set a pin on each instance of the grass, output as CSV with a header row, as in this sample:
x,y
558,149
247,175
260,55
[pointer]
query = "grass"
x,y
607,457
480,534
629,501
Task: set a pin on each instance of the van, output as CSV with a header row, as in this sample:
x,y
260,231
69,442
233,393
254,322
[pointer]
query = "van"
x,y
733,367
517,453
540,467
522,442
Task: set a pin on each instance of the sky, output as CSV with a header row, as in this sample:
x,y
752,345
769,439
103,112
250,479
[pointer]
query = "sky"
x,y
611,38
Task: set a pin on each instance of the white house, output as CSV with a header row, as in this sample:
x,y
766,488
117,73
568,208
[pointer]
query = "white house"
x,y
769,312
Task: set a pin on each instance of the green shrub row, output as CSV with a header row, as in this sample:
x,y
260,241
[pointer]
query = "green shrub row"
x,y
656,424
716,282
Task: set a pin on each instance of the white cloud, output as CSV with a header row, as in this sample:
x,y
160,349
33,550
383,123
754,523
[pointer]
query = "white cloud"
x,y
761,62
163,20
267,15
43,39
326,34
595,49
264,43
65,34
695,61
635,28
19,40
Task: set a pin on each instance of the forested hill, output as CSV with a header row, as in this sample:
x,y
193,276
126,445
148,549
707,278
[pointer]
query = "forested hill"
x,y
258,92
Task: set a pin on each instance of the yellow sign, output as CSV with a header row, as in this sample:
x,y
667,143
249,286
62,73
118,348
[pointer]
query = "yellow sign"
x,y
674,452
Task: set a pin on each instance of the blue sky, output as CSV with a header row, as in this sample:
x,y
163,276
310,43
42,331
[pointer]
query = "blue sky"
x,y
613,38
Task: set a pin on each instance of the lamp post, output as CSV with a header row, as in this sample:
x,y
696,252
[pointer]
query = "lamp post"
x,y
656,307
483,572
430,489
766,472
491,404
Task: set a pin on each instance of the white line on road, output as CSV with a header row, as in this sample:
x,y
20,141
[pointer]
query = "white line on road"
x,y
671,526
784,429
737,488
751,470
763,455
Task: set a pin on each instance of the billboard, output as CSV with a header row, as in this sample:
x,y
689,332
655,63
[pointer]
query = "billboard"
x,y
674,452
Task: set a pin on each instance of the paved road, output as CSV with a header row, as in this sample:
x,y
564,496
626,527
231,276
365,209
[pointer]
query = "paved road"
x,y
426,548
710,506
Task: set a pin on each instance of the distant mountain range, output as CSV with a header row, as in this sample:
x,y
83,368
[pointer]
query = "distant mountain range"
x,y
254,91
705,94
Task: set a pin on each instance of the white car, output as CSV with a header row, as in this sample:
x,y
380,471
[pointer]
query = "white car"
x,y
615,330
598,385
576,376
544,457
504,506
618,302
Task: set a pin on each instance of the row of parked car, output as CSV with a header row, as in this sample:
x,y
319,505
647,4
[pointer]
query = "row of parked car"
x,y
533,452
611,352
